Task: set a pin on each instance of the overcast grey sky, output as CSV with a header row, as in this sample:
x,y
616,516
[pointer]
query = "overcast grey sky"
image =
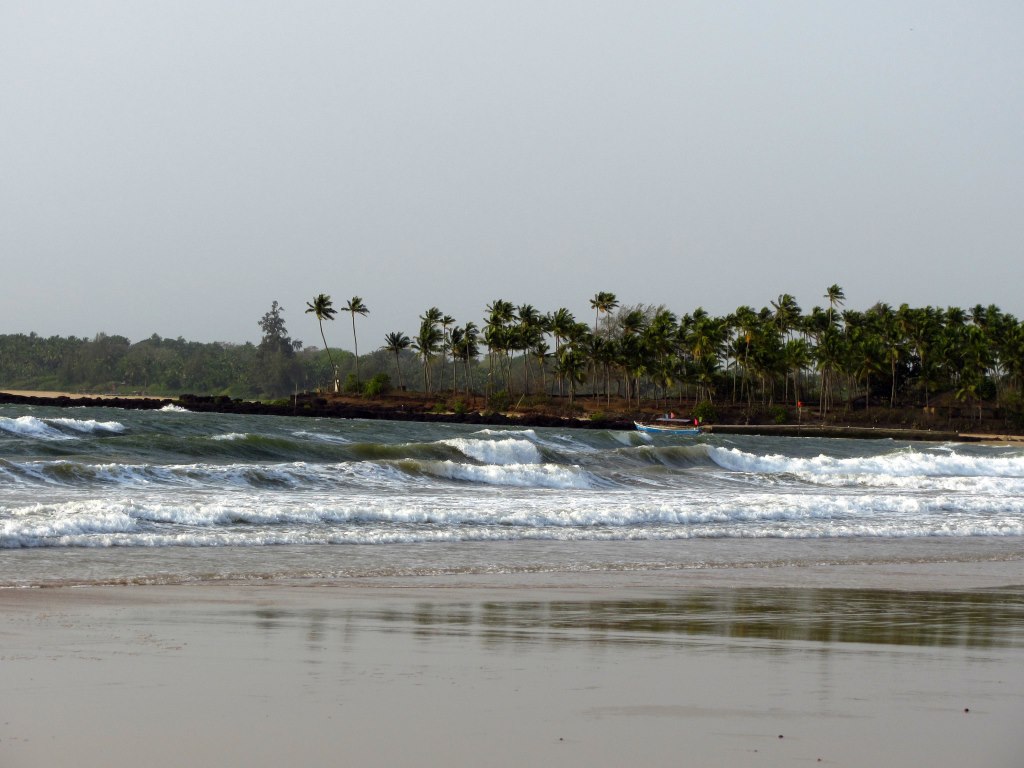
x,y
174,167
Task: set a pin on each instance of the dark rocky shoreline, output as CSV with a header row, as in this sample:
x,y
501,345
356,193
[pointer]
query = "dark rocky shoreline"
x,y
312,405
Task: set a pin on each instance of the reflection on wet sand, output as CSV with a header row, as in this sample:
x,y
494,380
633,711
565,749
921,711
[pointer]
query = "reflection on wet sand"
x,y
978,619
507,675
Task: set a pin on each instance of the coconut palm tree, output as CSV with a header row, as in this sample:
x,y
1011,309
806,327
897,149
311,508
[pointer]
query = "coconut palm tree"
x,y
747,323
829,357
560,324
867,354
464,348
836,298
796,355
787,314
603,301
323,308
446,347
355,306
921,328
572,367
428,342
395,342
541,352
500,314
528,333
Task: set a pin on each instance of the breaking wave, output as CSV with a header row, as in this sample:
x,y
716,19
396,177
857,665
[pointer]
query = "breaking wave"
x,y
57,429
904,463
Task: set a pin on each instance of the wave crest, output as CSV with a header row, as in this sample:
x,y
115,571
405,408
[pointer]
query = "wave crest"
x,y
499,452
58,428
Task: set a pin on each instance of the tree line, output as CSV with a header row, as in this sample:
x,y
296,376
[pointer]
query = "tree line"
x,y
831,357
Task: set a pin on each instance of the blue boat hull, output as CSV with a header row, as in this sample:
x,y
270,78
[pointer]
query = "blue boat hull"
x,y
668,429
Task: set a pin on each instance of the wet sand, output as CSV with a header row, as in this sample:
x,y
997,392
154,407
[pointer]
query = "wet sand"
x,y
910,664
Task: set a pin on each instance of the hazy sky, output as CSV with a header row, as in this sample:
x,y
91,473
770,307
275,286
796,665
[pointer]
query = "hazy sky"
x,y
174,167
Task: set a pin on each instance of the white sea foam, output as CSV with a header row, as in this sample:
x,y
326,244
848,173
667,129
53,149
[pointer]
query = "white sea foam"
x,y
519,475
172,408
501,452
529,434
994,486
230,436
55,429
30,426
89,426
900,464
254,519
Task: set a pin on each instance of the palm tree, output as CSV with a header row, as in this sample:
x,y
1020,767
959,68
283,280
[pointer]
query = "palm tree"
x,y
787,313
603,301
631,351
747,322
322,307
796,355
560,324
395,342
500,314
541,351
836,298
867,354
921,329
704,338
528,333
885,327
446,347
572,367
355,307
428,342
464,348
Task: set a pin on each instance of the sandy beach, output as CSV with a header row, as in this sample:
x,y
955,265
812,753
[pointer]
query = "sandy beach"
x,y
860,665
73,395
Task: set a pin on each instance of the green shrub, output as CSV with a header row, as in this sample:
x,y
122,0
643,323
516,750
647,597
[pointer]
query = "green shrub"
x,y
499,401
352,384
705,411
779,414
378,385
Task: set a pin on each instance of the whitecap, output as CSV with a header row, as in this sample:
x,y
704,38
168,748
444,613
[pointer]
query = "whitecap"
x,y
900,464
519,475
89,426
30,426
500,452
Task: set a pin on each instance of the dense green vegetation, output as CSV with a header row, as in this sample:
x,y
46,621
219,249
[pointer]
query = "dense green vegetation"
x,y
833,357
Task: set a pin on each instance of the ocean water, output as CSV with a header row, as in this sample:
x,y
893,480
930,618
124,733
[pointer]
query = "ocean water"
x,y
95,496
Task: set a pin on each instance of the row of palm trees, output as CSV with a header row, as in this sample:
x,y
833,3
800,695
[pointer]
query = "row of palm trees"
x,y
323,308
777,354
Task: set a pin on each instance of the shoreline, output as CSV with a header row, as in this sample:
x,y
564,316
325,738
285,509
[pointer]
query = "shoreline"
x,y
946,563
314,406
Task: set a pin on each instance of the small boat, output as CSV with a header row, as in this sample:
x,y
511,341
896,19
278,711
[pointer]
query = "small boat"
x,y
670,426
